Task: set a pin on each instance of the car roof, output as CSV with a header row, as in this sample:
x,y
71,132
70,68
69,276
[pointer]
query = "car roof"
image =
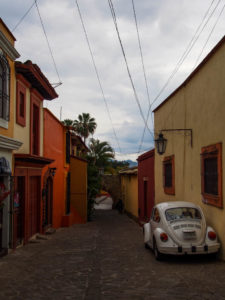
x,y
173,204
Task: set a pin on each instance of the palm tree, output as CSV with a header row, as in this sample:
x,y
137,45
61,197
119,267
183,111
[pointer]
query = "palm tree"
x,y
85,125
68,122
100,152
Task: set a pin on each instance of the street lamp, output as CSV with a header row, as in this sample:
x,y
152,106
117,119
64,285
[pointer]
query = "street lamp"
x,y
161,144
52,171
161,141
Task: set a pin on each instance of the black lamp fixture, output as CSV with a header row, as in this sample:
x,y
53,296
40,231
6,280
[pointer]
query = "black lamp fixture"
x,y
161,144
52,171
161,141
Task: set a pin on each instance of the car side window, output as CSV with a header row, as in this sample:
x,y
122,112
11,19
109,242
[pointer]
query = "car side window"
x,y
156,216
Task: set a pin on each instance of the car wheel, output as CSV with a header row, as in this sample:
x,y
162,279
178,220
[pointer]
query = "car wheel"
x,y
158,255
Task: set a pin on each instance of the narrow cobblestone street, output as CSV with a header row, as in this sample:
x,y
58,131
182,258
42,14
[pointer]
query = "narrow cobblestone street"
x,y
105,259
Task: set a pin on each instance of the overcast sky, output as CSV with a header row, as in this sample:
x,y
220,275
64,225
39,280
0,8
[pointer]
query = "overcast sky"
x,y
165,26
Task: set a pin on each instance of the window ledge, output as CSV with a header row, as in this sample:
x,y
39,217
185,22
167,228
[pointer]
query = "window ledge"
x,y
4,123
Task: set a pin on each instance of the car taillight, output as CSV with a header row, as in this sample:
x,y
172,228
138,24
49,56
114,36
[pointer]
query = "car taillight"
x,y
212,235
164,237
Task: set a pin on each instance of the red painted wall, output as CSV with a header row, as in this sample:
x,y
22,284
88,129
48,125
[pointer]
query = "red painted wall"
x,y
146,185
54,149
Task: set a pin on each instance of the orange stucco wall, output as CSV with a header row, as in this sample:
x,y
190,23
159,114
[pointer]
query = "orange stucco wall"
x,y
54,149
78,188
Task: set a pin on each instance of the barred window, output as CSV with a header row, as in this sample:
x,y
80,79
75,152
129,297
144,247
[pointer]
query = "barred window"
x,y
169,175
20,103
211,174
4,88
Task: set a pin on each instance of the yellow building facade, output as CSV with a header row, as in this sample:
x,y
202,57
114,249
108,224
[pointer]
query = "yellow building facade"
x,y
129,191
7,51
78,188
192,121
8,55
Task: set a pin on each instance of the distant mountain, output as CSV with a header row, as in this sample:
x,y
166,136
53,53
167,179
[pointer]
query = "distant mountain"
x,y
131,163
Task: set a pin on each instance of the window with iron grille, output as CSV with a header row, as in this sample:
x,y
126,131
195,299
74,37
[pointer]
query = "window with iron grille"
x,y
211,174
20,102
4,88
168,175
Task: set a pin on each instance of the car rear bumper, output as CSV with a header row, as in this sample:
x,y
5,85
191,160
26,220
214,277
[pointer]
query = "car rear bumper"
x,y
190,250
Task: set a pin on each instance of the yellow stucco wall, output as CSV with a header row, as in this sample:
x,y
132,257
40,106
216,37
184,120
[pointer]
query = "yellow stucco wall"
x,y
129,190
78,187
200,106
6,33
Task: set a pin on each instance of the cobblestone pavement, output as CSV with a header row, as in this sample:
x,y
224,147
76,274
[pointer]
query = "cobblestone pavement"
x,y
105,259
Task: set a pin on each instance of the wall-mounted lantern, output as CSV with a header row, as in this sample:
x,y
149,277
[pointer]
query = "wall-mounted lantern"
x,y
52,171
161,144
161,141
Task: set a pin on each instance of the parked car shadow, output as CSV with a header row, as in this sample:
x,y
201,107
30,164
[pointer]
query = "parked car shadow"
x,y
190,259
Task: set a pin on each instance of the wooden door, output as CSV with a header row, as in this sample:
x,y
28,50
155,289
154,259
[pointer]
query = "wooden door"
x,y
47,203
1,225
19,204
34,205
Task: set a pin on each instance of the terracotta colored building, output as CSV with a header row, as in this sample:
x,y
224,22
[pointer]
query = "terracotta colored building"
x,y
32,87
192,121
8,143
146,185
53,196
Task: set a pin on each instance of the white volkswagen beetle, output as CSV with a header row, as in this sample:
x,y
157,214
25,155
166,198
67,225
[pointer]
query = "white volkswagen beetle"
x,y
179,228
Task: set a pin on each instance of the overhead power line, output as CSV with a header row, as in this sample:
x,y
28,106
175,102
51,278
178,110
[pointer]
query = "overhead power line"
x,y
49,47
214,26
127,66
189,47
23,17
97,74
145,77
209,17
43,27
141,53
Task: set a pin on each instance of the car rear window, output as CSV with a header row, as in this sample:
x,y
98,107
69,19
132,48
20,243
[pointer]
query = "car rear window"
x,y
182,213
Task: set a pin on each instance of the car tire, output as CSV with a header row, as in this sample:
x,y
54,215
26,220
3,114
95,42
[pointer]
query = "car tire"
x,y
158,255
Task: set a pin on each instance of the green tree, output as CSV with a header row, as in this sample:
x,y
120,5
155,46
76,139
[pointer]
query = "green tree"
x,y
100,153
68,122
85,125
94,186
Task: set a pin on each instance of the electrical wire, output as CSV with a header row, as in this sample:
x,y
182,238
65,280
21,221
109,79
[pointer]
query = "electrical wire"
x,y
127,66
170,113
145,77
49,47
203,48
97,74
26,13
189,47
141,53
134,153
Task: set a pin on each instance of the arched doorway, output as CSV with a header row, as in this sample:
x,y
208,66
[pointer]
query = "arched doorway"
x,y
47,203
